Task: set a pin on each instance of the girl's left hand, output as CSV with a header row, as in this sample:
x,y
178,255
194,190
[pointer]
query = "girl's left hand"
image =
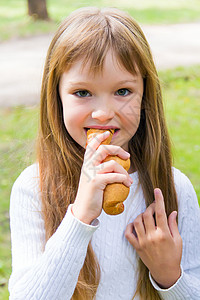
x,y
158,245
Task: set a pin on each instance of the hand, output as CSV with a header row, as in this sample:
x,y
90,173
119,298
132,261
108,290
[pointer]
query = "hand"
x,y
158,245
95,175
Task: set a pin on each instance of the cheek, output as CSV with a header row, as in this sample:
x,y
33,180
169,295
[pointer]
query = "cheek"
x,y
74,120
131,114
72,115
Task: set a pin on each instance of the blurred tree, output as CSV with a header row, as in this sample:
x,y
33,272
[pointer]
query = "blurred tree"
x,y
38,9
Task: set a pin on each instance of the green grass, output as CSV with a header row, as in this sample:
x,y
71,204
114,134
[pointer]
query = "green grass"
x,y
181,93
18,129
15,22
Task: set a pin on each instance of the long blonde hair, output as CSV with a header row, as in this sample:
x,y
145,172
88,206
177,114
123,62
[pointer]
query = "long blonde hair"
x,y
89,33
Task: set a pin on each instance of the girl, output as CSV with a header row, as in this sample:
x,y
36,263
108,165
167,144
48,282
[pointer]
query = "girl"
x,y
99,73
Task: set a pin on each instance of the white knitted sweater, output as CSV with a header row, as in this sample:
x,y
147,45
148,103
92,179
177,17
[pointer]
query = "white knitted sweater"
x,y
50,272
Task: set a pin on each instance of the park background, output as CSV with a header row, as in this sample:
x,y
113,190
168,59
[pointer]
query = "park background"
x,y
19,123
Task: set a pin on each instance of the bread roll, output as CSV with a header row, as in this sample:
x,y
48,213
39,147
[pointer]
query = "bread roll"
x,y
115,193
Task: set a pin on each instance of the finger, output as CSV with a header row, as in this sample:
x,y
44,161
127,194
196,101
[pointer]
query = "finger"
x,y
139,227
95,143
173,224
104,151
161,217
112,166
131,236
107,178
148,218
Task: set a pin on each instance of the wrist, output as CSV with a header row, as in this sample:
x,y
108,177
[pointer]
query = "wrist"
x,y
168,280
80,215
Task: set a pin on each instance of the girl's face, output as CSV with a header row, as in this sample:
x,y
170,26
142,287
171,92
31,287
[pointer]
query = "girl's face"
x,y
110,99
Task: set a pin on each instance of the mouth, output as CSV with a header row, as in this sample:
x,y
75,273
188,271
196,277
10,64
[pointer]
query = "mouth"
x,y
103,128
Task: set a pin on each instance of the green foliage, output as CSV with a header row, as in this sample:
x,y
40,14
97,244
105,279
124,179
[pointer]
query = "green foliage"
x,y
181,98
18,127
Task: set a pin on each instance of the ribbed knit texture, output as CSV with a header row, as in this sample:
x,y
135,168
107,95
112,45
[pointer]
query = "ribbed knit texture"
x,y
50,272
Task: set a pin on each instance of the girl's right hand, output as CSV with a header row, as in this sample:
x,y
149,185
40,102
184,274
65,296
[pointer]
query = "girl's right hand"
x,y
95,175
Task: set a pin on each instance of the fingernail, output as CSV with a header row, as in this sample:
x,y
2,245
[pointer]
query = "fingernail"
x,y
107,132
127,154
157,191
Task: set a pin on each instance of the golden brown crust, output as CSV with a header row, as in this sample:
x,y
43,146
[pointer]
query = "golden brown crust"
x,y
115,193
125,163
92,132
114,210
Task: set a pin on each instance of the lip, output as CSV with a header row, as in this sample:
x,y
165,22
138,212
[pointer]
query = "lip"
x,y
101,127
116,132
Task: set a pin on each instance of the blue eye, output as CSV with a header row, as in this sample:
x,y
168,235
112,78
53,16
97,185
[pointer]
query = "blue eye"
x,y
123,92
82,94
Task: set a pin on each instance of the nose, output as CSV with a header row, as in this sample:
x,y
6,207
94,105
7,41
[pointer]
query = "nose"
x,y
104,111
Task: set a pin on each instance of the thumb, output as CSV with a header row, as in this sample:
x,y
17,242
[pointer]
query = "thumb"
x,y
173,224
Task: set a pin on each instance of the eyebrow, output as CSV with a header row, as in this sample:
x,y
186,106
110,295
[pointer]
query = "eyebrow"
x,y
86,82
77,82
127,81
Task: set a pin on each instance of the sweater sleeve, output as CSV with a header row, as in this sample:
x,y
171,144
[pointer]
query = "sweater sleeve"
x,y
188,285
42,271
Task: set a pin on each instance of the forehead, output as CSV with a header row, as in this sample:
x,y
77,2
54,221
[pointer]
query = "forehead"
x,y
110,65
